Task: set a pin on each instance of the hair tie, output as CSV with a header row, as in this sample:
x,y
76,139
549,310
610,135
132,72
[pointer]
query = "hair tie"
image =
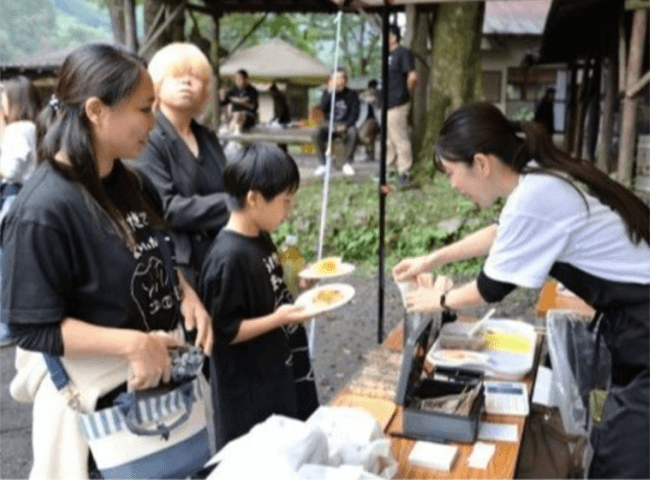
x,y
54,103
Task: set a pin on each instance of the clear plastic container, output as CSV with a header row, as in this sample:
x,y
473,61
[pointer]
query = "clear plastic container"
x,y
292,263
455,336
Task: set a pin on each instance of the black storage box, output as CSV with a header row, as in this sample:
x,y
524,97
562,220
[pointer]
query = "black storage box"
x,y
432,425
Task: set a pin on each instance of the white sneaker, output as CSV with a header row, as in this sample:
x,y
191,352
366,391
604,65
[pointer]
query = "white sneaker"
x,y
320,171
348,170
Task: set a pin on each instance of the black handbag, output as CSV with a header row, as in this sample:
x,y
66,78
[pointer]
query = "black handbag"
x,y
547,451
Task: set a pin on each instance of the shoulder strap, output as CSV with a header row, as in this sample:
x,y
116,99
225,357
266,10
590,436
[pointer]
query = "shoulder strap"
x,y
170,268
57,371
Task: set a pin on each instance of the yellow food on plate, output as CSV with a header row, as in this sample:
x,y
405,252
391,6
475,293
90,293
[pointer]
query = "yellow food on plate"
x,y
507,342
327,265
328,297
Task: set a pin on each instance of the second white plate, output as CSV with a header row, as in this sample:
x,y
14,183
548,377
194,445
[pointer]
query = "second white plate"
x,y
308,298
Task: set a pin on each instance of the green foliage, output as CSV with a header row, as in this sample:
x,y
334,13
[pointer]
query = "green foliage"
x,y
411,222
314,34
25,27
523,114
30,26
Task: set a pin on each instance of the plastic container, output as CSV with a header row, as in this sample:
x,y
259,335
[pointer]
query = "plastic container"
x,y
455,336
292,263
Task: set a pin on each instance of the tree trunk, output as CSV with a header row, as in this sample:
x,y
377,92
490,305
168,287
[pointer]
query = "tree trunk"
x,y
454,57
116,12
628,117
416,39
175,32
130,26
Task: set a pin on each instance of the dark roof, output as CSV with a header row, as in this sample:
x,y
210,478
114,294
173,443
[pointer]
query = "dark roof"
x,y
314,6
41,63
579,28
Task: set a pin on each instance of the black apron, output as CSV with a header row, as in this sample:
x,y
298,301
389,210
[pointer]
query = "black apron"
x,y
622,442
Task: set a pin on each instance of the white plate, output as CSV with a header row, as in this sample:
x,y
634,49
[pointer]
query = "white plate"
x,y
311,273
307,298
458,358
504,365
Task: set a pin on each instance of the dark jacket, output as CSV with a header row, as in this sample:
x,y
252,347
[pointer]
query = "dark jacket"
x,y
191,189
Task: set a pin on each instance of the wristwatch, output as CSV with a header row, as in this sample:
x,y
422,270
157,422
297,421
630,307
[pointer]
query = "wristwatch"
x,y
443,302
447,315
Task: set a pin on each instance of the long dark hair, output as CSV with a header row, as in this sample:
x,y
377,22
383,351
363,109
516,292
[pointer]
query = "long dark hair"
x,y
23,99
261,167
112,75
482,128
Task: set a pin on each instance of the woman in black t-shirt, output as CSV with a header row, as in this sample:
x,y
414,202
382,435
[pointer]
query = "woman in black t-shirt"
x,y
85,274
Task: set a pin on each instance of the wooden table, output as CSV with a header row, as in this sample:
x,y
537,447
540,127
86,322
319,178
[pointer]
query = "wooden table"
x,y
300,135
504,461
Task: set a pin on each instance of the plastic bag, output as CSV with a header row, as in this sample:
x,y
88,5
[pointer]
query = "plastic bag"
x,y
355,437
580,365
292,441
343,472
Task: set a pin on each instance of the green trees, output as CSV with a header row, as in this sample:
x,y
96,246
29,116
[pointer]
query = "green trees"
x,y
30,26
26,27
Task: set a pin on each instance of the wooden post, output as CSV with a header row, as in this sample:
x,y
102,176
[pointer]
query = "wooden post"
x,y
592,105
571,109
628,116
607,125
581,108
622,53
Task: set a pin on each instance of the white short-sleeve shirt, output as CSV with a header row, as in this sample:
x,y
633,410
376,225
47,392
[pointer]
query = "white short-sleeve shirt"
x,y
18,151
545,220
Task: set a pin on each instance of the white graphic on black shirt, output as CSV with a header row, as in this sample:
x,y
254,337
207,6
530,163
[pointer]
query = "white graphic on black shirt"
x,y
340,109
280,290
150,287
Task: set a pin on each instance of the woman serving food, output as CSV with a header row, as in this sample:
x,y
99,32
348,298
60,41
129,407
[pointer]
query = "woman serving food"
x,y
563,218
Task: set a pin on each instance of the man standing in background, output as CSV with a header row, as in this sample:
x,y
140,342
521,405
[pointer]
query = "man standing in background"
x,y
544,112
243,100
402,79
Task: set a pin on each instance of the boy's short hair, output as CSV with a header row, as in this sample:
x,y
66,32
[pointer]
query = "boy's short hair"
x,y
243,73
177,59
261,167
395,30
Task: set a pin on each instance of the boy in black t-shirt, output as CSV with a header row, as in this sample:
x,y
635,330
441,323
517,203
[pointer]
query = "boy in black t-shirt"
x,y
260,364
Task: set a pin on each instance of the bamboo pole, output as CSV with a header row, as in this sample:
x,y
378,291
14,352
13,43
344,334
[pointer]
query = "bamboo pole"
x,y
628,117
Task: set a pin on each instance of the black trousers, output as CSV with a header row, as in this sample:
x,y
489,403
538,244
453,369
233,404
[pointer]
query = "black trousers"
x,y
350,138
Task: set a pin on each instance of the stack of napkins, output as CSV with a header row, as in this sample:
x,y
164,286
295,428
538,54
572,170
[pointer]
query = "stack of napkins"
x,y
433,455
481,455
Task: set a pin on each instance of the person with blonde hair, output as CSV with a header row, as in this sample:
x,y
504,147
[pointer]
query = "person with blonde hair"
x,y
182,158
